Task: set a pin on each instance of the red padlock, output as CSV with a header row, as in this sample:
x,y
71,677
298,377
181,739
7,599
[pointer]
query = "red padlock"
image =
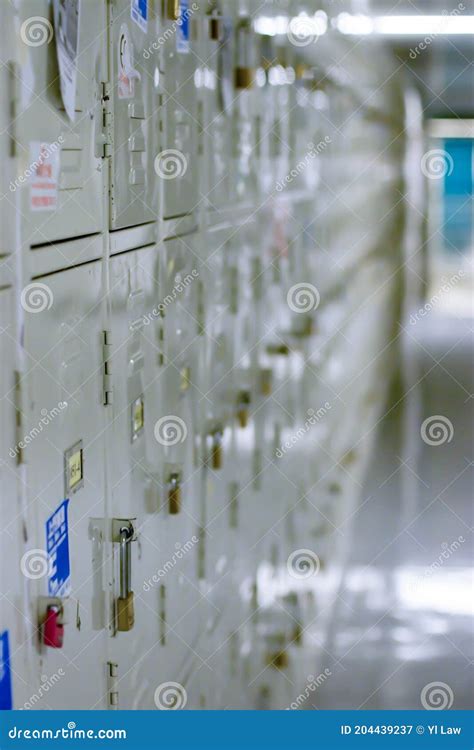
x,y
53,630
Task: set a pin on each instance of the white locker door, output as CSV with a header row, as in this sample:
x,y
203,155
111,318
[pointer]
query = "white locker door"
x,y
177,163
58,164
220,479
16,656
216,90
135,480
65,465
245,137
176,430
134,108
158,648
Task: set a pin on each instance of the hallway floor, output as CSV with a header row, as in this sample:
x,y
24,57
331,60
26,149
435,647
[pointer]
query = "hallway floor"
x,y
404,614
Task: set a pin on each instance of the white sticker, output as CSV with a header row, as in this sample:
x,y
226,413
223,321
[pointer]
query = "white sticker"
x,y
44,173
66,24
126,72
139,13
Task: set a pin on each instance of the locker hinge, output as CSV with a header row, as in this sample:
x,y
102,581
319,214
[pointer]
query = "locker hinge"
x,y
112,685
106,131
107,388
18,420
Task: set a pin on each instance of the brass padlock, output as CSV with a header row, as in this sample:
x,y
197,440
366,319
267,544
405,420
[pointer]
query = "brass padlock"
x,y
243,402
278,350
278,659
297,635
125,613
173,10
216,451
125,607
266,377
243,417
174,495
308,328
245,55
244,78
215,28
301,70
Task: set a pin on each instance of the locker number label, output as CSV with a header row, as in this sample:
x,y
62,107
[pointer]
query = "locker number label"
x,y
74,468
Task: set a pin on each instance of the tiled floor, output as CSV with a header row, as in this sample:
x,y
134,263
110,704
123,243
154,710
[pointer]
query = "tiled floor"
x,y
404,617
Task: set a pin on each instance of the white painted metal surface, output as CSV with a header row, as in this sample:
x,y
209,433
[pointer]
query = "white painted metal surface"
x,y
217,343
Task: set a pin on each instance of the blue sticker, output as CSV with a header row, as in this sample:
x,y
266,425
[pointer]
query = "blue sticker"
x,y
139,13
6,696
183,30
57,546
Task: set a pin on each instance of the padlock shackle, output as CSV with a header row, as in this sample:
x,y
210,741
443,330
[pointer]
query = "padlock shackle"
x,y
126,533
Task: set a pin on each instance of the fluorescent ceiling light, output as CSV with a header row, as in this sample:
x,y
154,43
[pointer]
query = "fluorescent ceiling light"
x,y
301,26
405,25
424,24
272,25
359,24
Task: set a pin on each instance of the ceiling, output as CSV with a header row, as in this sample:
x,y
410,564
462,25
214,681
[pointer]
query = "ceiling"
x,y
444,70
407,7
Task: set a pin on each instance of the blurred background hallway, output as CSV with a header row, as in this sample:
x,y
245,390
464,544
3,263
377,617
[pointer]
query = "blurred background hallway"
x,y
403,618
